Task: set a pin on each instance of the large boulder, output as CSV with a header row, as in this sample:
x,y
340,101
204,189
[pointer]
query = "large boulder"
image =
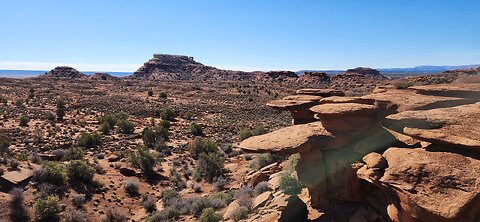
x,y
428,186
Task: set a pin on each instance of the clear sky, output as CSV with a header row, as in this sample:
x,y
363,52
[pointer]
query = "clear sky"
x,y
119,35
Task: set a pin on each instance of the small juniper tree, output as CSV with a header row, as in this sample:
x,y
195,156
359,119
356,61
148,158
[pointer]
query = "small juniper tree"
x,y
60,109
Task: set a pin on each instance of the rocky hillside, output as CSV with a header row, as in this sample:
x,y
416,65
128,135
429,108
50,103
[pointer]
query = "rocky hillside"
x,y
178,67
102,76
63,72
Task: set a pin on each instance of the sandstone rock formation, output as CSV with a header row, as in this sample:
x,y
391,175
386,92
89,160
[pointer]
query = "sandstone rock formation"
x,y
367,72
436,181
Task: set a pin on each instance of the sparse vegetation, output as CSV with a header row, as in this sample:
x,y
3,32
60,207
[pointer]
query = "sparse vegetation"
x,y
125,127
4,147
262,160
209,165
17,208
144,160
163,95
153,136
60,109
168,114
247,133
196,129
209,215
113,215
74,153
51,172
131,188
200,145
78,170
47,208
88,140
24,121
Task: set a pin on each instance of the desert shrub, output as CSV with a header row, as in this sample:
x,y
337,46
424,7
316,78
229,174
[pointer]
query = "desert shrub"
x,y
168,114
262,160
154,135
78,170
226,196
74,153
402,84
240,213
50,117
19,103
35,158
60,109
289,185
78,200
4,144
219,183
74,215
244,196
131,188
17,208
196,187
200,145
177,180
187,116
199,204
261,187
247,133
163,95
14,164
109,119
209,166
47,208
2,171
150,92
113,215
144,160
167,214
24,121
149,203
169,195
51,172
165,124
209,215
88,140
196,129
105,128
125,127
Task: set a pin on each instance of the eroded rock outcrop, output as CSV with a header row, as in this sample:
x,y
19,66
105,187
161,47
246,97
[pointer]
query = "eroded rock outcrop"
x,y
419,147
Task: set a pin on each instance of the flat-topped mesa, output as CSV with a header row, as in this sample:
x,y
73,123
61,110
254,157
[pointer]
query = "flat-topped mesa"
x,y
320,92
470,91
318,78
299,109
367,72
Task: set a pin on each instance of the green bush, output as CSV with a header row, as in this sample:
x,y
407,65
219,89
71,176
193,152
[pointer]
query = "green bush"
x,y
3,100
4,144
201,145
289,185
24,121
47,208
125,127
50,117
209,215
262,160
78,170
88,140
19,103
105,128
209,165
167,214
150,92
247,133
74,153
403,84
51,172
196,129
165,124
60,109
168,114
144,160
163,95
169,195
153,136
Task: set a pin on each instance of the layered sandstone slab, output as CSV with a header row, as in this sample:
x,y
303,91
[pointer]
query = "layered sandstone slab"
x,y
410,100
320,92
288,140
343,109
449,126
341,99
303,98
450,90
428,186
291,104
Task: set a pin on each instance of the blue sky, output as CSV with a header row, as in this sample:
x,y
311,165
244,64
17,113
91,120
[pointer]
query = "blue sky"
x,y
108,35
